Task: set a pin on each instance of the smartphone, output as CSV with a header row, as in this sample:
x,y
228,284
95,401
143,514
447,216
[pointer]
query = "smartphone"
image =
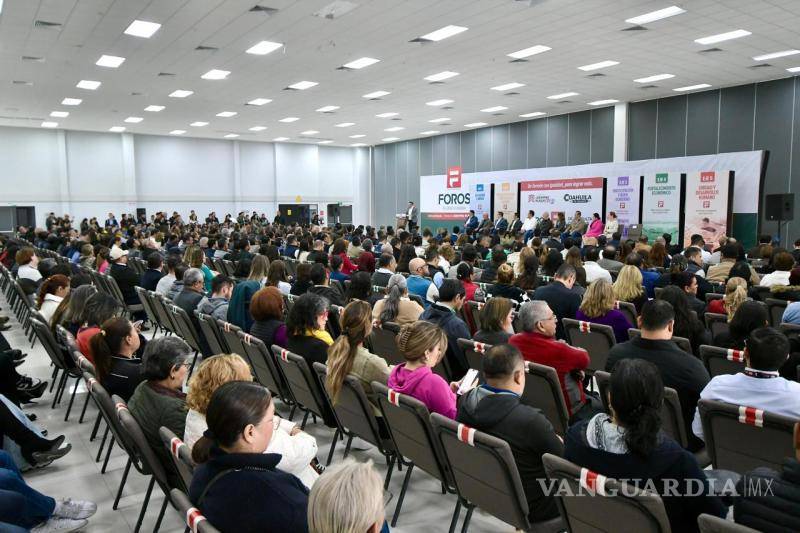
x,y
468,381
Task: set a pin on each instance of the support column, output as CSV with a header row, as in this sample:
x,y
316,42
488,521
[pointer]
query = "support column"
x,y
237,178
129,189
63,173
621,132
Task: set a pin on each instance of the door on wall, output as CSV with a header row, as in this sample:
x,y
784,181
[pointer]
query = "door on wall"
x,y
300,213
25,216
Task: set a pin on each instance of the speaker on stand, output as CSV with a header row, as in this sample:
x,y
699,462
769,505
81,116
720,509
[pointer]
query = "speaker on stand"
x,y
779,207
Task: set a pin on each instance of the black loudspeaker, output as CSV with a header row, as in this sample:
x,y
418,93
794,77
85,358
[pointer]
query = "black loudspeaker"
x,y
141,212
779,207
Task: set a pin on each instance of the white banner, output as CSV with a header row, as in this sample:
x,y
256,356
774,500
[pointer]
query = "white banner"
x,y
622,197
505,199
661,205
706,205
563,196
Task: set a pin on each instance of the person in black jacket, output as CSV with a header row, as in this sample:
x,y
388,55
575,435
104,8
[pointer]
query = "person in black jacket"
x,y
153,274
444,314
118,369
560,297
237,486
496,408
503,285
125,276
322,286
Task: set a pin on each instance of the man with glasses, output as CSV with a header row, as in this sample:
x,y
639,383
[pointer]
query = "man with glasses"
x,y
419,285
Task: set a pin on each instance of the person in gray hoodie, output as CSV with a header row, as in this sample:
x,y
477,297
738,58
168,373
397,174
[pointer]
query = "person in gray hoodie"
x,y
217,304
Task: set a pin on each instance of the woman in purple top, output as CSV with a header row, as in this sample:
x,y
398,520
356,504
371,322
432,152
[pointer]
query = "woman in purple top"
x,y
598,307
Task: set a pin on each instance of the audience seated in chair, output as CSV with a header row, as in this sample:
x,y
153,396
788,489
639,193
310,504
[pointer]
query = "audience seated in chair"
x,y
496,322
598,307
114,348
396,306
445,314
305,326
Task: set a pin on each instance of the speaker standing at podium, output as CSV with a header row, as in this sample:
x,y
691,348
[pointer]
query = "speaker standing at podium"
x,y
411,216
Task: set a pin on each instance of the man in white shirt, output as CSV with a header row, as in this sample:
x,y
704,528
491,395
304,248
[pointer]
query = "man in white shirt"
x,y
528,225
698,241
593,270
28,263
760,385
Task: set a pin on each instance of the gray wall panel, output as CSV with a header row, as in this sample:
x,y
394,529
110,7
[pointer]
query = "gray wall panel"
x,y
518,145
702,128
468,151
794,184
439,165
426,156
483,150
453,147
736,118
642,130
580,135
500,146
412,171
393,181
557,139
401,166
671,127
537,143
602,140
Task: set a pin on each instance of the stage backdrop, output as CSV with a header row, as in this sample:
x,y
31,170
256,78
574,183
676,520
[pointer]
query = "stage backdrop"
x,y
706,205
661,205
505,199
565,195
622,197
444,200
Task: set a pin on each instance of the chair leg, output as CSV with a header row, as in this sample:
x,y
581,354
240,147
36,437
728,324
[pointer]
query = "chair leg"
x,y
406,480
347,446
305,419
144,504
467,518
72,399
53,378
102,445
108,454
454,521
390,468
96,427
291,412
56,396
333,446
83,411
161,514
62,384
122,483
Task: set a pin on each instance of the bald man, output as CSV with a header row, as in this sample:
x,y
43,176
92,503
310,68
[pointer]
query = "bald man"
x,y
420,285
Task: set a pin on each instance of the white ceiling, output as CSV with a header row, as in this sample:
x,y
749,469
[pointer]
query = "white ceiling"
x,y
578,31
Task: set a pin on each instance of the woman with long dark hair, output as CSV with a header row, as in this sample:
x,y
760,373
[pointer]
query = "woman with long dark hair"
x,y
687,323
396,306
114,348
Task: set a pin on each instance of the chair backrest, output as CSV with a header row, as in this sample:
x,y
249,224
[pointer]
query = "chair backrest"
x,y
474,351
383,341
627,309
720,361
713,296
180,454
305,387
741,438
682,342
186,328
597,339
592,502
264,367
160,307
484,471
195,521
210,330
717,323
714,524
543,391
141,292
109,413
230,334
775,309
474,313
333,325
51,346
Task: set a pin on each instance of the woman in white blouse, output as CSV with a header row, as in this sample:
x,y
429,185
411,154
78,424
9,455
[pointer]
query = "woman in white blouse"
x,y
51,293
612,224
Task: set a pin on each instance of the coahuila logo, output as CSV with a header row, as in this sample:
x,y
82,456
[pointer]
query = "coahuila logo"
x,y
578,198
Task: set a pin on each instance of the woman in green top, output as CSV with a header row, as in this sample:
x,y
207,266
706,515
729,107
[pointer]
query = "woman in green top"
x,y
195,258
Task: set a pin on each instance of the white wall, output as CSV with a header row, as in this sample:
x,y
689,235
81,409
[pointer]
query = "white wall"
x,y
89,174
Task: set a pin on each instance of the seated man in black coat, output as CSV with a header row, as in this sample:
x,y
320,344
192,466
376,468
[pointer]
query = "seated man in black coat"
x,y
153,274
319,277
559,296
126,279
496,408
188,300
444,313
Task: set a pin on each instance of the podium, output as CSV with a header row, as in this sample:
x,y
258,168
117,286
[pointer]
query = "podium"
x,y
401,220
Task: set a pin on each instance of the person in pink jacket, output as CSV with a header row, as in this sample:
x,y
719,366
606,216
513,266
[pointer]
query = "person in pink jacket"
x,y
595,227
423,345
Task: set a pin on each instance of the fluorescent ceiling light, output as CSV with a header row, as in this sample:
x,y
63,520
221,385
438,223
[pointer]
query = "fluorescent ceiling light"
x,y
110,61
604,102
494,109
59,114
376,94
692,87
653,16
776,55
508,86
727,36
257,128
359,136
475,124
441,76
387,115
395,128
344,124
438,120
177,132
328,108
279,139
215,74
325,142
598,65
357,145
440,102
117,129
48,124
259,101
263,48
530,51
71,101
309,132
390,139
361,63
429,132
231,135
227,114
181,93
142,28
134,120
444,33
89,85
199,124
534,114
303,85
793,69
656,77
289,119
561,96
154,108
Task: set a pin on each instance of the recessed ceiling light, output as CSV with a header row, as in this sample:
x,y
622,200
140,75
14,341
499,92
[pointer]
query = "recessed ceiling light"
x,y
181,93
327,141
530,51
375,94
494,109
279,139
598,65
199,124
303,85
88,85
441,76
444,33
656,77
475,124
390,139
259,101
793,69
134,120
177,132
692,87
142,28
47,124
309,132
59,114
117,129
395,128
534,114
215,74
231,135
357,145
508,86
344,124
71,101
440,102
361,63
328,108
257,128
727,36
429,132
438,120
289,119
359,136
154,108
561,96
387,115
227,114
263,48
653,16
776,55
110,61
604,102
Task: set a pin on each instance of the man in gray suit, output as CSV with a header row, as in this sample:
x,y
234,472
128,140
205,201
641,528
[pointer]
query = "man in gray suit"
x,y
608,262
411,215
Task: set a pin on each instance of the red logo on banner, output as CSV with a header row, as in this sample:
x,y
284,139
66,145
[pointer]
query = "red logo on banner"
x,y
661,203
706,204
621,205
454,178
706,177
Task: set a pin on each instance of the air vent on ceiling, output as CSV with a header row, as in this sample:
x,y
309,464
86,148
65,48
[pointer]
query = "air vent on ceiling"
x,y
512,93
135,94
436,83
448,107
634,28
596,75
709,50
336,9
762,65
166,74
565,102
651,86
204,48
396,118
518,61
46,24
20,82
498,114
33,58
263,9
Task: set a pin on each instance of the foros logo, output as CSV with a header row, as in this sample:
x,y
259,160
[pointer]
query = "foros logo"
x,y
453,198
454,178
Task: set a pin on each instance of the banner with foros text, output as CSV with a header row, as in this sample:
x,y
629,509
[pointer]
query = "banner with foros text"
x,y
563,196
622,197
444,200
661,201
505,200
706,205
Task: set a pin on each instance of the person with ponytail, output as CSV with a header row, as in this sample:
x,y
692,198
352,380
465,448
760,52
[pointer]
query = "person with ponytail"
x,y
735,296
396,306
114,348
69,310
53,290
628,444
237,486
